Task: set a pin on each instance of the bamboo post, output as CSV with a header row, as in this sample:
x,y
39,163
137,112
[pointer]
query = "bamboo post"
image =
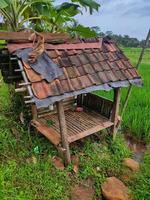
x,y
63,132
115,111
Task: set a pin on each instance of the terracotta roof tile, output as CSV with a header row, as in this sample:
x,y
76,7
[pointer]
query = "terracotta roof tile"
x,y
103,77
121,65
65,85
120,75
75,61
99,56
88,69
64,62
96,79
76,83
83,59
72,73
85,80
105,65
113,65
111,76
32,75
81,71
52,54
98,67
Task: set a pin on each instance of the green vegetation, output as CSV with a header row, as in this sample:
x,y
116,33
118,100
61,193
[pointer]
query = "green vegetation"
x,y
140,185
137,115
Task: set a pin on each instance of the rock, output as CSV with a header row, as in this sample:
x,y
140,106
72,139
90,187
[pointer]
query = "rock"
x,y
114,189
131,164
81,192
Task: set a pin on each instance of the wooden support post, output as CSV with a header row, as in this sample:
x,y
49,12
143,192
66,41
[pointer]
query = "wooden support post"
x,y
63,132
34,111
115,112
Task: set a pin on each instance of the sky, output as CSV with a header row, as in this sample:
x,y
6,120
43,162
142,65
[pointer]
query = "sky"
x,y
125,17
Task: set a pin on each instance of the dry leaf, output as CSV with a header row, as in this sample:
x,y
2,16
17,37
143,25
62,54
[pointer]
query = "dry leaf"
x,y
21,117
75,161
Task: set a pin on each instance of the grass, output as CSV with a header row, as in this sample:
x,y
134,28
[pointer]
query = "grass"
x,y
137,115
140,185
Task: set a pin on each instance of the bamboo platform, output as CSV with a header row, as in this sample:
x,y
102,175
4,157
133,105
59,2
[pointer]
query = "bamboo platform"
x,y
79,125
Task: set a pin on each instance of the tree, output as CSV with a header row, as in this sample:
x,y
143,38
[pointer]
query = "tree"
x,y
43,15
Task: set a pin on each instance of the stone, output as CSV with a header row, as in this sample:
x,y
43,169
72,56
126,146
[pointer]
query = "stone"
x,y
114,189
131,164
81,192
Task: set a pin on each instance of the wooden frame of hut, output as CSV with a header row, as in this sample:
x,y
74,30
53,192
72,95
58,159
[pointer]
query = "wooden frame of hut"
x,y
63,109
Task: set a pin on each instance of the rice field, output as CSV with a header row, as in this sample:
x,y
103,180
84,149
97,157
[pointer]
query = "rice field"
x,y
136,119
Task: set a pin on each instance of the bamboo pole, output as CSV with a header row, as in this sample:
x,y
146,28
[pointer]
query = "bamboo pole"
x,y
115,113
63,131
137,67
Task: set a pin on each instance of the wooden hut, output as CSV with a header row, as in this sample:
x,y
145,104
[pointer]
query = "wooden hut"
x,y
63,107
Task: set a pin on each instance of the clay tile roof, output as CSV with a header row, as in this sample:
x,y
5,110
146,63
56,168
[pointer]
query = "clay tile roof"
x,y
86,64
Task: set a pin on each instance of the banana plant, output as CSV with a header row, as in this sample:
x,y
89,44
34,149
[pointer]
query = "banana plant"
x,y
44,15
16,13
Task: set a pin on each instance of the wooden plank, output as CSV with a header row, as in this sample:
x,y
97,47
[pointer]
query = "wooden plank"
x,y
48,132
26,35
89,131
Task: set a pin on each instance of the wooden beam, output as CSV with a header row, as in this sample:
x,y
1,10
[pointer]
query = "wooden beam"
x,y
63,131
25,36
115,112
48,132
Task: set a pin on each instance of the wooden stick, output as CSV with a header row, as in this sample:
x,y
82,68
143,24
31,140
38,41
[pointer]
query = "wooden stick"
x,y
22,89
115,112
63,131
24,84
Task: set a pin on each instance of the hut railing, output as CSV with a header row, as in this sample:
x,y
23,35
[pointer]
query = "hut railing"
x,y
96,103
